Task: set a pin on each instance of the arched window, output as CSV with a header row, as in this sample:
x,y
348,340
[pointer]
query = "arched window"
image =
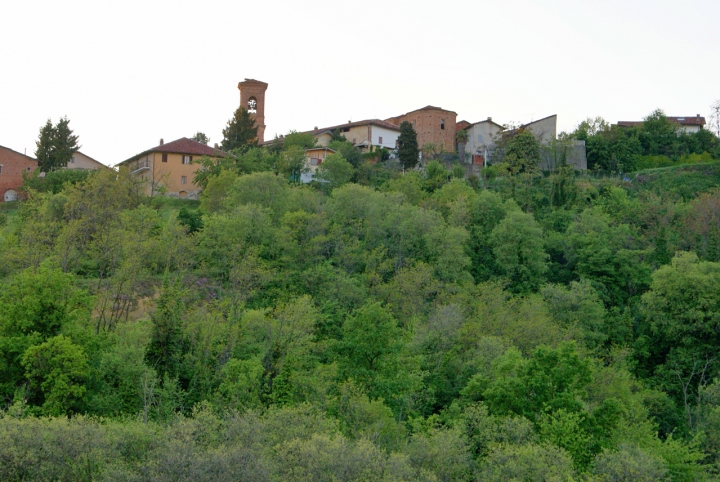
x,y
10,195
252,105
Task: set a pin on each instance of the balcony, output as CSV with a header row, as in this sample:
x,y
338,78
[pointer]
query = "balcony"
x,y
140,166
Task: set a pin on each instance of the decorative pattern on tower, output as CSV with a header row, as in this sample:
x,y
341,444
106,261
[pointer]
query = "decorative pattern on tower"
x,y
252,97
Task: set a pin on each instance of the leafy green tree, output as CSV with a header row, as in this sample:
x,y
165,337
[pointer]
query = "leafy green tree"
x,y
659,135
683,311
240,132
293,162
369,349
58,368
335,170
522,153
35,306
519,253
304,140
201,137
408,150
346,149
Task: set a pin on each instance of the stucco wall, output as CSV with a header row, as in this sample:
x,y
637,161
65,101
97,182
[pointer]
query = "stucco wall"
x,y
481,138
81,161
169,174
389,137
545,130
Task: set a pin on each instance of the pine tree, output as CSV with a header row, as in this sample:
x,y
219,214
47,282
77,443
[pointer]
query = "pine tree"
x,y
241,131
65,144
167,343
55,145
44,144
408,146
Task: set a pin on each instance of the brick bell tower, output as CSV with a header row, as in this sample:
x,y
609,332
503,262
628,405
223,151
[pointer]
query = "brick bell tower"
x,y
252,97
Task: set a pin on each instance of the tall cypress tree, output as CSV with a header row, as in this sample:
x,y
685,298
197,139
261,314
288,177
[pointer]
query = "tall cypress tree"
x,y
241,131
408,146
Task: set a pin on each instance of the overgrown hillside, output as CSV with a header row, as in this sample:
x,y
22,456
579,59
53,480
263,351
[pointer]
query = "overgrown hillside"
x,y
403,326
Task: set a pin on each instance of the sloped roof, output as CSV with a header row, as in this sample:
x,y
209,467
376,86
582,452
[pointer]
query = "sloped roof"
x,y
18,153
376,122
427,107
683,121
182,146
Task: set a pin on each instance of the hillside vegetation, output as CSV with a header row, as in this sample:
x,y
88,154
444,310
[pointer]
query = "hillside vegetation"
x,y
400,327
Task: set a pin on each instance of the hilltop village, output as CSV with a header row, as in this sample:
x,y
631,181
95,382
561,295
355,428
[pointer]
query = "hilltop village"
x,y
172,167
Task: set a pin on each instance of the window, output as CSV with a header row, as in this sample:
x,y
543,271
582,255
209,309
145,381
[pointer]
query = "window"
x,y
164,157
442,123
346,129
183,180
72,160
0,168
252,105
314,162
380,140
187,159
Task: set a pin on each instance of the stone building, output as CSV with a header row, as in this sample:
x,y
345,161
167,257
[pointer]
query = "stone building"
x,y
12,166
252,97
170,168
432,125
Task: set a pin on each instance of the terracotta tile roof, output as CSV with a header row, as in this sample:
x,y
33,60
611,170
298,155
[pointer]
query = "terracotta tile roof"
x,y
375,122
182,146
689,121
428,107
683,121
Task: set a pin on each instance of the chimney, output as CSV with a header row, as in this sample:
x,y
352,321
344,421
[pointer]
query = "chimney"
x,y
315,128
216,145
489,119
349,122
162,142
698,115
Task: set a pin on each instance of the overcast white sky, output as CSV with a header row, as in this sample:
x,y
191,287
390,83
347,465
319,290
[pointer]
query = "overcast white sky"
x,y
131,72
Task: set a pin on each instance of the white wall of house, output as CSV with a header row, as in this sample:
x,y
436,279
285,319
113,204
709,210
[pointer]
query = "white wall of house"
x,y
382,136
481,137
545,130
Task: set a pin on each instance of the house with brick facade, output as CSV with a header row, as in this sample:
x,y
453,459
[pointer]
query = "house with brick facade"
x,y
432,124
12,166
170,167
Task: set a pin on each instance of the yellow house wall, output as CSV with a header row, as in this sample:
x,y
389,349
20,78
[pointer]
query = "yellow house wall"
x,y
169,174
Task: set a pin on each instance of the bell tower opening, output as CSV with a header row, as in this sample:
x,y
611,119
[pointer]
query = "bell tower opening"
x,y
252,98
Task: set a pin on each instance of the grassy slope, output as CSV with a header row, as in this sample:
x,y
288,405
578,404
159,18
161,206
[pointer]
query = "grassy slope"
x,y
685,181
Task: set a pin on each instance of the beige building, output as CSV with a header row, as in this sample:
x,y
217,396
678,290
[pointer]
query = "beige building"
x,y
83,161
314,158
170,167
363,134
